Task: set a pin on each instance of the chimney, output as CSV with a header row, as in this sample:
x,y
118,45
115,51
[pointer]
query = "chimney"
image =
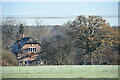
x,y
19,43
22,36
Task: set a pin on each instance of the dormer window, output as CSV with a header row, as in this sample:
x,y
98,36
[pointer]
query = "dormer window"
x,y
32,49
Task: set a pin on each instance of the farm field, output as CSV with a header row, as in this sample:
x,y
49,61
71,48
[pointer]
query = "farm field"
x,y
66,71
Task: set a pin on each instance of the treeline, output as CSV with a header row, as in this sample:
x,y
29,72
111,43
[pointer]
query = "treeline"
x,y
84,41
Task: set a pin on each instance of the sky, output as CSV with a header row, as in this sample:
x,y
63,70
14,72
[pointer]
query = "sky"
x,y
67,10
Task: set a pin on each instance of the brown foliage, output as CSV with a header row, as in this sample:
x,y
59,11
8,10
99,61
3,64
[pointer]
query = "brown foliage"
x,y
8,59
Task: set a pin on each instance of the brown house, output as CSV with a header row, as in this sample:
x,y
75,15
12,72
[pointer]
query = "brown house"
x,y
27,50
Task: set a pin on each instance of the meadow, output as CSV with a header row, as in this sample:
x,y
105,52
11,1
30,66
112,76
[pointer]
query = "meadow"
x,y
64,71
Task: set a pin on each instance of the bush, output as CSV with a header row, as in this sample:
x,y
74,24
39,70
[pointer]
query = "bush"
x,y
8,59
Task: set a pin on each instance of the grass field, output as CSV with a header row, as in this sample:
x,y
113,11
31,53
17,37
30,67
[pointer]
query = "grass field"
x,y
81,71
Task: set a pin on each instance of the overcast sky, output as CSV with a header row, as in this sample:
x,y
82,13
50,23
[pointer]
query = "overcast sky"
x,y
108,10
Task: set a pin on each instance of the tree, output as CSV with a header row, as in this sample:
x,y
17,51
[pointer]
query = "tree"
x,y
9,30
88,33
59,50
8,59
40,30
21,29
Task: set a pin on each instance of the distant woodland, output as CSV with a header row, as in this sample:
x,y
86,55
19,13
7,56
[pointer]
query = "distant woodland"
x,y
83,41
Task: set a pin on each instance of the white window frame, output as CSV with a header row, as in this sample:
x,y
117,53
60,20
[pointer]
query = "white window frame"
x,y
32,49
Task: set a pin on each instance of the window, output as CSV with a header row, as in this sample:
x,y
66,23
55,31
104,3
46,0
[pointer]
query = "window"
x,y
32,49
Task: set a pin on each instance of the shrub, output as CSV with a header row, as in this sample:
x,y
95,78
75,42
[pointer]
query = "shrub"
x,y
8,59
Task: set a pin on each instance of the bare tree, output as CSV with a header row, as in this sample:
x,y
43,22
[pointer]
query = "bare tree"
x,y
41,31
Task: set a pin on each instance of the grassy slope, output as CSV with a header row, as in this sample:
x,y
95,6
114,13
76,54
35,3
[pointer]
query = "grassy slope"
x,y
83,71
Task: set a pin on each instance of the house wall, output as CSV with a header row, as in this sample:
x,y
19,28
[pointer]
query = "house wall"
x,y
26,46
32,56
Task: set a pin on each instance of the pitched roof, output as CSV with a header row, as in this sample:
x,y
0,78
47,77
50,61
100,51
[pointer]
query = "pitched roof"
x,y
15,47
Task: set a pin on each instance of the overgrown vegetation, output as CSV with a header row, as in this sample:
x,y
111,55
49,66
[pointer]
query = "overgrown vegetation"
x,y
84,41
8,59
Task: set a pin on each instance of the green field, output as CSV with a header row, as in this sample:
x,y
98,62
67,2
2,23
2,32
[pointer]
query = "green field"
x,y
81,71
